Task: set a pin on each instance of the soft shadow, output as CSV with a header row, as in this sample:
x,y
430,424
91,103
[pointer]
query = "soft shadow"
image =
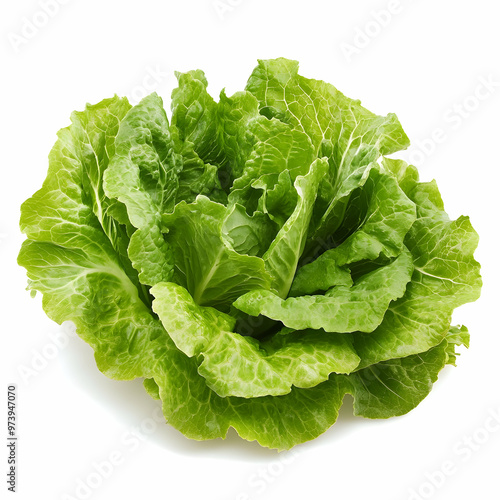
x,y
130,404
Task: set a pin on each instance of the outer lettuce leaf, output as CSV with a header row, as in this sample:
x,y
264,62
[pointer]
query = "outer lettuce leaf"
x,y
70,258
457,336
274,421
80,156
94,131
396,386
446,276
283,421
234,365
91,289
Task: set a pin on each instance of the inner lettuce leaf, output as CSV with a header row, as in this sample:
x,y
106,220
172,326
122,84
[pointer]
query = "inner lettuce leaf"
x,y
148,175
217,275
344,309
282,257
254,259
340,128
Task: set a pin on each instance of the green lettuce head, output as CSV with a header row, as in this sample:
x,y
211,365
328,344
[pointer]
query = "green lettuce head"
x,y
253,259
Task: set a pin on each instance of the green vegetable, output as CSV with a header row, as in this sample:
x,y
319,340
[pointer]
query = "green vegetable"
x,y
254,259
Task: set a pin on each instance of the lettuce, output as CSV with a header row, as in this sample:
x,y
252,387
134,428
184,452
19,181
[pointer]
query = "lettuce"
x,y
253,259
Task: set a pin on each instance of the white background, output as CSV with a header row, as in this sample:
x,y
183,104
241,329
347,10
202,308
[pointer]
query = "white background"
x,y
425,62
